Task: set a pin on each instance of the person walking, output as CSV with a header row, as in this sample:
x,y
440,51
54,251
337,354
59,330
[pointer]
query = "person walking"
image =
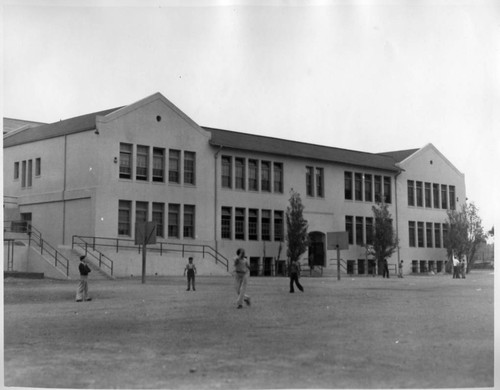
x,y
400,274
83,288
191,271
241,275
294,276
386,269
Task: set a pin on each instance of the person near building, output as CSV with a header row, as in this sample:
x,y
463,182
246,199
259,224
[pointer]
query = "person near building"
x,y
241,275
191,271
456,264
386,269
294,276
400,266
82,293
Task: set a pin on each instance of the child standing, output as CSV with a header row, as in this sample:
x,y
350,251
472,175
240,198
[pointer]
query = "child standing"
x,y
83,288
295,275
191,271
241,274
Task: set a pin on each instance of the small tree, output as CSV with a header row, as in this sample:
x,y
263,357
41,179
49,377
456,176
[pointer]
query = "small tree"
x,y
465,233
385,242
296,225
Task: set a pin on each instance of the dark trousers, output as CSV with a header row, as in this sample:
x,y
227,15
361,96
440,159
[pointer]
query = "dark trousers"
x,y
191,279
294,278
386,271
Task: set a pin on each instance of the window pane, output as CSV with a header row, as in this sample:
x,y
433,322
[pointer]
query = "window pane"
x,y
310,181
427,196
420,197
239,173
173,220
319,182
368,188
239,224
278,178
411,193
428,234
348,185
444,196
437,235
226,217
387,189
348,228
452,197
378,189
158,165
174,168
125,161
141,212
226,172
253,216
435,194
359,230
189,167
124,220
369,230
142,162
266,225
253,175
189,221
38,167
30,172
420,234
411,233
16,170
358,184
278,226
265,183
158,218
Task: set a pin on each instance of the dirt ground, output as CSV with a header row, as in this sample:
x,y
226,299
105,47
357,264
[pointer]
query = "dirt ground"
x,y
363,332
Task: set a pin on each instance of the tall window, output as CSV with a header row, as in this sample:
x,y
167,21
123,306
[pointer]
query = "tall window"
x,y
189,168
359,230
226,172
173,220
378,189
253,220
348,185
437,235
278,177
420,234
348,228
427,191
16,170
266,225
23,174
444,196
411,233
445,235
174,166
38,166
452,197
188,230
158,165
142,168
226,218
435,195
358,186
387,189
253,175
319,183
368,188
239,224
125,161
141,212
158,218
411,193
239,173
30,172
420,197
265,183
124,217
369,230
309,181
428,234
279,233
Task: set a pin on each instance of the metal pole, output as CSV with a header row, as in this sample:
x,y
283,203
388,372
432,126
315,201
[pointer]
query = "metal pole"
x,y
338,263
144,263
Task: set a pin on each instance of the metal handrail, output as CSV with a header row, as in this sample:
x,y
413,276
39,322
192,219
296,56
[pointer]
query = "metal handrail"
x,y
160,247
35,236
101,258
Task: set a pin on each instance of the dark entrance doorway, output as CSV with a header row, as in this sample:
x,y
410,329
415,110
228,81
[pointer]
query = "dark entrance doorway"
x,y
317,252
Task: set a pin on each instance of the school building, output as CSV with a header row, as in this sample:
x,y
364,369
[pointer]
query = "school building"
x,y
99,174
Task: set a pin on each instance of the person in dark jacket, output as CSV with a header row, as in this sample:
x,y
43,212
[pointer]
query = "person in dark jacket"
x,y
386,269
82,293
295,275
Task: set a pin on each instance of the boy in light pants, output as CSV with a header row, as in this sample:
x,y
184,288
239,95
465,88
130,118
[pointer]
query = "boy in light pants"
x,y
241,274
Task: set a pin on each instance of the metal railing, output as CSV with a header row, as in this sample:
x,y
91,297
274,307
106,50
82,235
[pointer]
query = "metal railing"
x,y
104,262
160,247
35,237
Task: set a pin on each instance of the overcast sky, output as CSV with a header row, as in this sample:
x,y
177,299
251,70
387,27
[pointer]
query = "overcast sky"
x,y
365,75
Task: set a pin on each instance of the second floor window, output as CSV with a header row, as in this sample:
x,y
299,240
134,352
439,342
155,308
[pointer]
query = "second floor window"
x,y
253,218
239,224
348,185
142,162
278,177
141,212
435,194
452,197
278,226
174,168
239,173
348,228
368,188
188,230
253,175
444,196
378,189
411,233
125,161
38,166
124,217
320,192
189,167
265,183
226,218
420,197
158,218
358,186
16,170
173,220
158,164
226,172
310,181
266,225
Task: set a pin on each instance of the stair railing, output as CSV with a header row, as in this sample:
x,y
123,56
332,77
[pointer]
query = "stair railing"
x,y
104,262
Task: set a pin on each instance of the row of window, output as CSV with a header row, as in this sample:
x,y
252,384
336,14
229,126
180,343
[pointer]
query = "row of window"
x,y
429,195
359,230
239,223
24,170
180,221
150,164
427,234
251,174
367,187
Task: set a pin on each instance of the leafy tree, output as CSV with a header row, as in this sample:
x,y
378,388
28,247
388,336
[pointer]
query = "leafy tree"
x,y
296,236
385,241
465,233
